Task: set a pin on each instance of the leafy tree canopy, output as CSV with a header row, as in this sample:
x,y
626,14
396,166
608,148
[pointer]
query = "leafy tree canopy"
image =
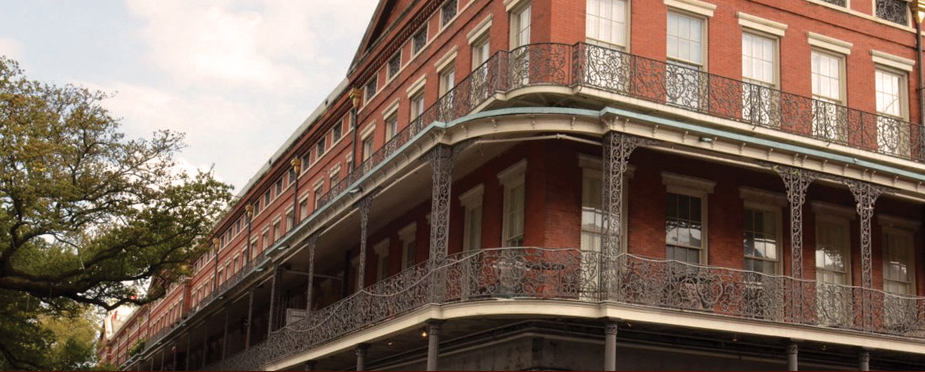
x,y
86,215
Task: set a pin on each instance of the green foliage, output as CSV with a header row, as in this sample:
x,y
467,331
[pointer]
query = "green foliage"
x,y
138,347
86,215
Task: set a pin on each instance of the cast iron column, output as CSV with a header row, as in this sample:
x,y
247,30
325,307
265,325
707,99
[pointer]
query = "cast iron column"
x,y
312,242
225,335
273,294
433,343
617,150
866,195
441,158
610,345
250,319
361,356
864,360
365,204
792,357
796,181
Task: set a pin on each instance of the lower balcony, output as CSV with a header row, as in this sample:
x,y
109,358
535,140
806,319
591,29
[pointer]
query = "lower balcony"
x,y
563,276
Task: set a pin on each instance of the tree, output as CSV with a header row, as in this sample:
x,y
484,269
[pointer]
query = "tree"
x,y
86,215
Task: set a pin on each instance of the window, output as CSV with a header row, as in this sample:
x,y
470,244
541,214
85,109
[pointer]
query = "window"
x,y
760,102
898,273
334,174
419,40
290,220
512,179
367,148
382,264
306,160
391,125
480,51
337,131
520,26
896,11
828,115
394,65
266,238
761,239
686,36
319,148
303,208
292,176
406,237
592,214
833,263
472,221
277,233
606,23
266,198
447,80
370,90
893,135
279,186
319,186
448,12
686,217
417,104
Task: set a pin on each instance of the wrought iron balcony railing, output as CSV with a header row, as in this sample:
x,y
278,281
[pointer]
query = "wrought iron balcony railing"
x,y
575,275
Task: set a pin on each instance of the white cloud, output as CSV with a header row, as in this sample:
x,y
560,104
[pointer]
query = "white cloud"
x,y
10,48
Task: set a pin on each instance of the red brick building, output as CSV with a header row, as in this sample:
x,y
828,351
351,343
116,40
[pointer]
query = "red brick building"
x,y
581,184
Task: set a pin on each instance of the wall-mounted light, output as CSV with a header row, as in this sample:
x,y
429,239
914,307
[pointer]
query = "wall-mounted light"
x,y
356,190
706,139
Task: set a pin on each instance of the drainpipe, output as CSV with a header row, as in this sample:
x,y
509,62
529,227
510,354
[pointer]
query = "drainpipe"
x,y
355,99
916,5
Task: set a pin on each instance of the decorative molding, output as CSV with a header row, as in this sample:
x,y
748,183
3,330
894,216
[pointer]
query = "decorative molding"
x,y
417,86
830,43
368,130
763,196
472,197
476,33
393,108
675,181
594,163
408,232
829,209
382,248
897,62
447,59
899,223
513,174
761,24
694,6
511,4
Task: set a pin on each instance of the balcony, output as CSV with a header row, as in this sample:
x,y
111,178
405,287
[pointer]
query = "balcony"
x,y
574,275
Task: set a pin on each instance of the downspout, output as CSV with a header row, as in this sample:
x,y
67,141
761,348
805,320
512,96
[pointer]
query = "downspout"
x,y
355,99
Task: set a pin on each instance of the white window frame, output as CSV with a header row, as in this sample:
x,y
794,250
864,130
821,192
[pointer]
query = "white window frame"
x,y
696,188
592,167
318,189
426,31
416,98
444,22
704,40
511,178
389,74
381,250
471,202
515,18
479,42
406,236
613,44
390,117
771,202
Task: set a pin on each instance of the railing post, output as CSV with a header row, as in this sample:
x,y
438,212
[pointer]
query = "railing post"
x,y
617,150
866,194
441,158
610,345
796,181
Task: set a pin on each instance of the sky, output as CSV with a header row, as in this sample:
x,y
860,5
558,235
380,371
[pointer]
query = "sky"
x,y
237,76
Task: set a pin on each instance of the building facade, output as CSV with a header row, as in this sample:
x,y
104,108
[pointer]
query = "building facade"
x,y
580,184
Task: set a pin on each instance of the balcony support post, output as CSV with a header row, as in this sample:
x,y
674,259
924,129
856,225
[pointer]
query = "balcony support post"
x,y
173,363
361,356
793,357
162,359
364,206
312,242
205,344
864,360
617,150
309,365
274,292
866,194
433,343
186,358
796,181
250,319
441,158
610,345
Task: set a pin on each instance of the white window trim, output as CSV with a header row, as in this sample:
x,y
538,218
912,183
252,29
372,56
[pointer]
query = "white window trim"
x,y
511,4
761,24
872,16
911,264
444,23
889,60
698,188
834,214
470,200
479,31
334,170
427,39
417,86
367,100
446,60
704,45
835,211
627,32
762,204
381,248
842,74
770,198
775,39
368,131
407,233
592,166
903,93
388,79
829,43
391,110
694,6
512,177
